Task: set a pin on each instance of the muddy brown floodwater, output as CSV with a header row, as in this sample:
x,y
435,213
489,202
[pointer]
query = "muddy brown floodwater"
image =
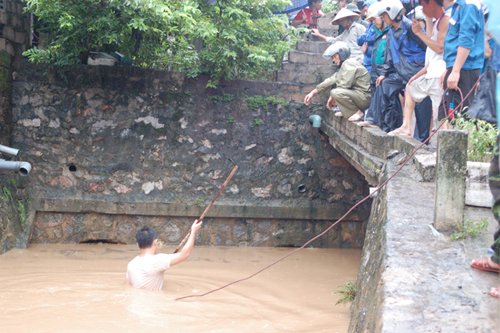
x,y
81,288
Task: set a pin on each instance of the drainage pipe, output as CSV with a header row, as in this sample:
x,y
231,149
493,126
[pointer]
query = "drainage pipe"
x,y
9,150
23,168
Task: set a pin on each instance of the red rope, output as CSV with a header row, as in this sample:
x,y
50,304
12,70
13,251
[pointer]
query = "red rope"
x,y
360,202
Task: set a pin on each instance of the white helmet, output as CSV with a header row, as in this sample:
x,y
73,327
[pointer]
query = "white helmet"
x,y
339,47
393,8
417,13
373,10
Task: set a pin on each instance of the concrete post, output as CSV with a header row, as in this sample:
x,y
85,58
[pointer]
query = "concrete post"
x,y
451,171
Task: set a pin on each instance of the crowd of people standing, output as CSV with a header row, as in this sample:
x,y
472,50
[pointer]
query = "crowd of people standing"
x,y
428,63
425,63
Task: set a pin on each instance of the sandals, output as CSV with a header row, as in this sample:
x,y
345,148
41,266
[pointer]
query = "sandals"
x,y
483,264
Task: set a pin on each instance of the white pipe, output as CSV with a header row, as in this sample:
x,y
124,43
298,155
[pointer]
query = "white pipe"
x,y
9,150
23,168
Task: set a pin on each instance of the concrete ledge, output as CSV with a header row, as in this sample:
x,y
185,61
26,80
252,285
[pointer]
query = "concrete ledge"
x,y
414,279
268,210
478,192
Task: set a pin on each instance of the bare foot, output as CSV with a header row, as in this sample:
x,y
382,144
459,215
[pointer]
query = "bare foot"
x,y
400,131
494,292
338,114
357,116
366,124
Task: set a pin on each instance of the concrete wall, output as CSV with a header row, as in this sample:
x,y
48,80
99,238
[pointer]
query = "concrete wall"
x,y
115,148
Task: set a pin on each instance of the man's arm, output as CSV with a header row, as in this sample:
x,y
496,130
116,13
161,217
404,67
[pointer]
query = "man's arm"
x,y
454,76
315,32
435,45
184,253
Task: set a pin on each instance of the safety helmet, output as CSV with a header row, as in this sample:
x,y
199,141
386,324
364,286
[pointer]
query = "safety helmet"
x,y
373,10
417,13
338,47
393,8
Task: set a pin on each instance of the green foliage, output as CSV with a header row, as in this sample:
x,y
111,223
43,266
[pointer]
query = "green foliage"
x,y
258,121
227,39
230,120
329,6
263,102
470,229
347,292
481,138
224,98
22,212
6,194
20,205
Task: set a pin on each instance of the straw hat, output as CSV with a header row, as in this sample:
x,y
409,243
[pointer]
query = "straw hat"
x,y
343,13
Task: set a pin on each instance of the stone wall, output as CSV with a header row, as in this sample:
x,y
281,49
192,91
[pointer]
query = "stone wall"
x,y
117,141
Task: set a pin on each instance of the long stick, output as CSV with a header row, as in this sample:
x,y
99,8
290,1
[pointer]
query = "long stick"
x,y
202,216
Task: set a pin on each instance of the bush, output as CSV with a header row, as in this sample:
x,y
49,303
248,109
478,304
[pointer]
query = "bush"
x,y
481,138
221,38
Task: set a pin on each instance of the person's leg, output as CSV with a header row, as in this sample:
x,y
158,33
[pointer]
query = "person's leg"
x,y
345,101
372,115
444,114
423,116
392,113
361,102
405,128
492,264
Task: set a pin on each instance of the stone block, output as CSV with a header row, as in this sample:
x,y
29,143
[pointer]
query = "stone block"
x,y
312,46
3,44
298,73
325,22
426,165
451,171
8,33
19,37
477,188
3,17
307,58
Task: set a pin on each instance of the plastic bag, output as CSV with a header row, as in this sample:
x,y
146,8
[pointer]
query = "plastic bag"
x,y
483,105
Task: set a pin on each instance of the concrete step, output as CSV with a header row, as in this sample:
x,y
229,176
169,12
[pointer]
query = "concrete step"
x,y
303,73
325,22
312,46
307,58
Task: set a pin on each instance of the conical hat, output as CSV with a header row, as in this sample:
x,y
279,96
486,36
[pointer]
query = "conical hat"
x,y
344,12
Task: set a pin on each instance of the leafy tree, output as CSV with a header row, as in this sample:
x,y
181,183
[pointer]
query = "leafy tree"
x,y
223,38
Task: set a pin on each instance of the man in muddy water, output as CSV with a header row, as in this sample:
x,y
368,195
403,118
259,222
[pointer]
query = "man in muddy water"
x,y
145,271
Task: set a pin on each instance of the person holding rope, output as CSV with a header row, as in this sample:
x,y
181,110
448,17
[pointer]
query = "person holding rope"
x,y
463,54
146,270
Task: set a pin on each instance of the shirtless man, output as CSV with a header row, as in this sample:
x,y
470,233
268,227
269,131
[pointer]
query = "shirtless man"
x,y
145,271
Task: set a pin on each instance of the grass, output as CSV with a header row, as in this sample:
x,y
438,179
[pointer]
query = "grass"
x,y
224,98
347,293
471,229
263,102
